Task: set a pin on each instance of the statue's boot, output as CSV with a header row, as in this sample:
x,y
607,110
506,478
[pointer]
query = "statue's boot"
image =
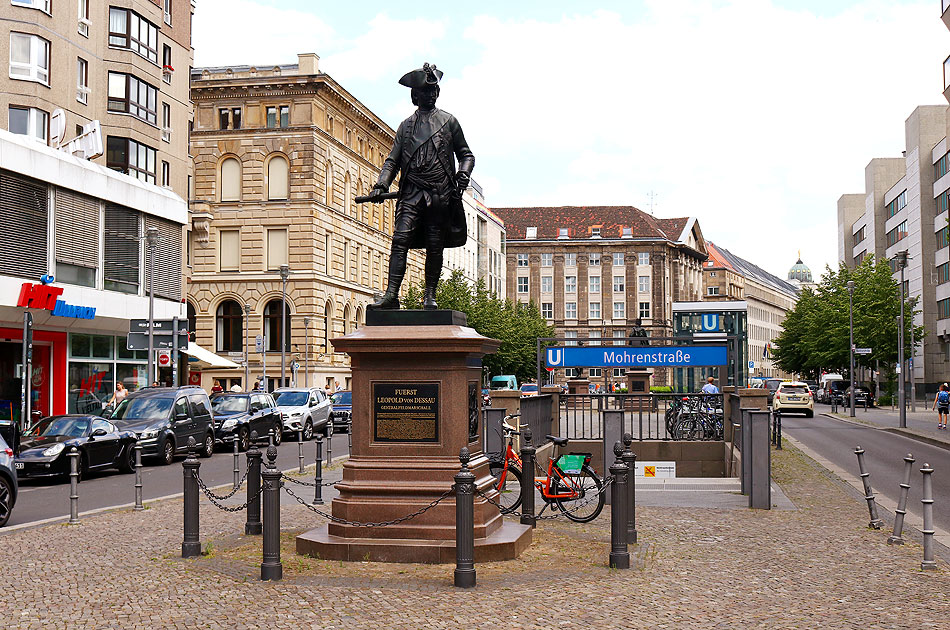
x,y
389,300
428,299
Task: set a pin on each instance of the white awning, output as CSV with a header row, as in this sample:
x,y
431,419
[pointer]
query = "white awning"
x,y
205,359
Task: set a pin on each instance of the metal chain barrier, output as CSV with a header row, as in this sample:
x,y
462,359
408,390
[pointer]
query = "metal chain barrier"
x,y
216,500
395,521
551,517
309,484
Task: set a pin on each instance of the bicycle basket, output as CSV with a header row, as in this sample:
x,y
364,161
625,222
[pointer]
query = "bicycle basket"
x,y
570,464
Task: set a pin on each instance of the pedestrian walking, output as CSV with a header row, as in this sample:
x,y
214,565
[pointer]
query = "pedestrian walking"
x,y
118,395
710,386
942,405
216,388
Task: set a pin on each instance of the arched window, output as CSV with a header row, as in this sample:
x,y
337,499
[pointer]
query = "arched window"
x,y
358,320
327,326
347,194
328,183
230,180
278,177
346,320
272,326
192,319
229,324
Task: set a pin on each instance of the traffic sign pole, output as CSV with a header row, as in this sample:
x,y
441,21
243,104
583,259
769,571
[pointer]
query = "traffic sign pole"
x,y
175,353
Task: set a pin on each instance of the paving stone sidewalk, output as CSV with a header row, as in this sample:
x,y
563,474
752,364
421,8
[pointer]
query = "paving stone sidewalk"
x,y
814,566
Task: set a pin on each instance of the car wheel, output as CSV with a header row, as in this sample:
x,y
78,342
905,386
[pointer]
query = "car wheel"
x,y
278,434
809,414
208,448
244,439
83,468
6,500
127,464
166,453
308,431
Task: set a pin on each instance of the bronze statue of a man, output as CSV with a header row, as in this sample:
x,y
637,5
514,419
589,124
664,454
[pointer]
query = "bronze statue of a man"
x,y
429,211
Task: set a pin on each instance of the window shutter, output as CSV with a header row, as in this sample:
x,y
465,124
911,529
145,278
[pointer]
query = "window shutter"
x,y
167,257
24,206
77,229
122,243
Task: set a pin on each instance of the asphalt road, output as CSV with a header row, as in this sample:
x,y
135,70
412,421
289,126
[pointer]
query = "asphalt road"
x,y
44,499
884,458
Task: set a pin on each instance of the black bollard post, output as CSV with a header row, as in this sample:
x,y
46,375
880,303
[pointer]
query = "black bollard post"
x,y
774,416
330,442
191,544
318,476
630,459
137,449
619,556
237,461
927,499
271,568
876,522
73,486
253,525
778,426
527,480
464,523
300,466
897,536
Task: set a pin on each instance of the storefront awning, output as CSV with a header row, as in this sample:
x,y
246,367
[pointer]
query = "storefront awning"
x,y
201,358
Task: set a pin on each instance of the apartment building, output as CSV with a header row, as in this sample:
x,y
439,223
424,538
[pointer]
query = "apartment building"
x,y
280,152
594,270
482,257
768,298
123,63
905,209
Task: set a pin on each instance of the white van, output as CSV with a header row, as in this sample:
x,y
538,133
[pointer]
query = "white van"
x,y
825,387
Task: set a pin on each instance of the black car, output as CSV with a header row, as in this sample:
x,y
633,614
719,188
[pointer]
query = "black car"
x,y
242,413
8,482
45,447
862,396
342,414
163,418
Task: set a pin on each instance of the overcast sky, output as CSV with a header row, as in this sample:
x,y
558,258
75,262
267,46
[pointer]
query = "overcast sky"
x,y
752,115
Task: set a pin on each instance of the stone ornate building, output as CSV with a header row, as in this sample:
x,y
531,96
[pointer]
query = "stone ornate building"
x,y
593,270
279,154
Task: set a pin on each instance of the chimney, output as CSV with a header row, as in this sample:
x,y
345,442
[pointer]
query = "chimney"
x,y
308,63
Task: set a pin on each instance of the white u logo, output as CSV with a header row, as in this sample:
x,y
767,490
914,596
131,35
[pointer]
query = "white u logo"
x,y
554,356
711,321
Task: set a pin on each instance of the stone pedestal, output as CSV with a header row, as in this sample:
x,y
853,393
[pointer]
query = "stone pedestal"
x,y
638,380
416,401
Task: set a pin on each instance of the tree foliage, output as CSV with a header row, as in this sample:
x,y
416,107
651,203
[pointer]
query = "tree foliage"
x,y
815,334
515,324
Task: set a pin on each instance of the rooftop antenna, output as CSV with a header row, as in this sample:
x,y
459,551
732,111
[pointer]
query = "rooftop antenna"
x,y
653,197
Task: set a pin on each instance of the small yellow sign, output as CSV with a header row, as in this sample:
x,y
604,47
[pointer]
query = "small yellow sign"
x,y
649,471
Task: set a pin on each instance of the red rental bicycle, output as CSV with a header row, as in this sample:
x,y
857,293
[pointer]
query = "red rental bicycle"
x,y
570,484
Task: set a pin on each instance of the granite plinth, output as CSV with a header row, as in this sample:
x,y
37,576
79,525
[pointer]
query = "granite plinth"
x,y
398,317
505,543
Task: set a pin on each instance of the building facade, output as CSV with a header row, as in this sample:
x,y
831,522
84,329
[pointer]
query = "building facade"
x,y
124,63
593,271
482,256
280,153
768,299
82,224
906,210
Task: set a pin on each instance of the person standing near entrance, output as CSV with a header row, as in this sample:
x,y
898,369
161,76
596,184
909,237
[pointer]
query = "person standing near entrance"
x,y
118,395
942,405
710,386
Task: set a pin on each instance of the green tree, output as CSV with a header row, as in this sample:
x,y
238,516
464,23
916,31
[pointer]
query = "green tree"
x,y
517,325
815,333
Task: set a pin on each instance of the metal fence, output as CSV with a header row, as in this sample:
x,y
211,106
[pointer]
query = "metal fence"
x,y
646,416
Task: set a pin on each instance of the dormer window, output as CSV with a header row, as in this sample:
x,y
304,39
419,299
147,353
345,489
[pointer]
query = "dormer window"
x,y
595,231
626,232
562,232
531,232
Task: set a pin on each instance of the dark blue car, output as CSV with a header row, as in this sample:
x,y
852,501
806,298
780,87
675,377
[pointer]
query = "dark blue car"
x,y
342,415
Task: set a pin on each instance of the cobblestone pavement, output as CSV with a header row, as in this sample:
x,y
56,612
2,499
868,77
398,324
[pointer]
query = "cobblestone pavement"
x,y
815,566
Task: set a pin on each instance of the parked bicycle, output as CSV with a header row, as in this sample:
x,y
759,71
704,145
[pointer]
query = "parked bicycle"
x,y
569,485
694,418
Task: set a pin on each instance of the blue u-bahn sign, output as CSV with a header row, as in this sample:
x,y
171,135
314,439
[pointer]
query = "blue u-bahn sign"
x,y
636,356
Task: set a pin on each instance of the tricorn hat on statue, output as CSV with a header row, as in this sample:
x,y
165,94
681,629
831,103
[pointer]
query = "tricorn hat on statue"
x,y
426,75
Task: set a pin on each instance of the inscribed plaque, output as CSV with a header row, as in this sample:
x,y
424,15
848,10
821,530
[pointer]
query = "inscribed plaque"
x,y
406,412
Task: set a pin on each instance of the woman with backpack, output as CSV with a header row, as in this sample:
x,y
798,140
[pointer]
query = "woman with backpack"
x,y
942,405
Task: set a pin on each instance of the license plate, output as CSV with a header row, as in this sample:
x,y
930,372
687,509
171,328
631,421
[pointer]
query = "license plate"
x,y
18,465
795,398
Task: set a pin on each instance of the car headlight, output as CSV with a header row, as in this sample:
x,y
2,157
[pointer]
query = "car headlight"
x,y
148,433
54,450
229,423
296,414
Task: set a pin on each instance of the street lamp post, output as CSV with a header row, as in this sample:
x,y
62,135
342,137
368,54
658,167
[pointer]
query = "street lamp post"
x,y
151,241
284,274
901,263
247,360
851,339
306,351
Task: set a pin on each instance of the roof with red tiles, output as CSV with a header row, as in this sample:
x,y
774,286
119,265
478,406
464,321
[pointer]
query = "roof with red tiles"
x,y
579,221
727,260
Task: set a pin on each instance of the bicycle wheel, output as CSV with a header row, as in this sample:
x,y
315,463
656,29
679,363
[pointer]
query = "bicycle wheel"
x,y
590,500
509,491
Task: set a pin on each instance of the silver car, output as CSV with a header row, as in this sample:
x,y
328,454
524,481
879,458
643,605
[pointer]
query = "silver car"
x,y
8,482
303,409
